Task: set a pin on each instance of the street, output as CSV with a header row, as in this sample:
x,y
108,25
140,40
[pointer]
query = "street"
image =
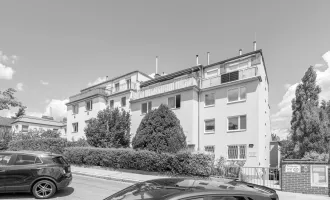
x,y
82,187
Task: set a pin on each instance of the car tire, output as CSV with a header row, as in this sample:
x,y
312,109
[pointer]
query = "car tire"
x,y
43,189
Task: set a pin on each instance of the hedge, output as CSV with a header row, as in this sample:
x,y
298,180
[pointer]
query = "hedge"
x,y
184,163
54,145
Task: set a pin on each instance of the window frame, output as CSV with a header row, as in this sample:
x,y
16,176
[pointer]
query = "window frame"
x,y
129,86
73,127
75,108
239,123
212,146
121,101
113,105
313,184
210,105
238,152
209,132
117,89
175,101
239,95
148,107
27,128
91,105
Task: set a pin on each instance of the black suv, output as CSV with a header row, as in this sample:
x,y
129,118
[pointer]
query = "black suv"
x,y
41,173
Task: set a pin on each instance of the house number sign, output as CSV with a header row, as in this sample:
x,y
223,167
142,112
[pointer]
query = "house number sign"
x,y
293,168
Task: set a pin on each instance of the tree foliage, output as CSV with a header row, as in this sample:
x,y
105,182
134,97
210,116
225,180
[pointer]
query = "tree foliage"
x,y
111,128
36,134
160,131
20,112
8,100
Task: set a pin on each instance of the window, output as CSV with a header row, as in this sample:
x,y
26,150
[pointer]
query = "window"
x,y
128,83
4,159
25,128
174,102
123,101
89,105
146,107
209,99
75,109
237,94
209,126
319,176
112,104
116,87
75,127
209,149
25,160
237,123
237,152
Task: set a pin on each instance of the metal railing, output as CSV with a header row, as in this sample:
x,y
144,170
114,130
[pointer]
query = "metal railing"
x,y
88,93
229,77
266,176
165,87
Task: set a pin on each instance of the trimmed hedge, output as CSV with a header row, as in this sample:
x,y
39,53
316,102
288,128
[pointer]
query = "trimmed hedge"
x,y
184,163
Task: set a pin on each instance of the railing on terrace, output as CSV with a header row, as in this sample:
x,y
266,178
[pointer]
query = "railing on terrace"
x,y
123,87
88,93
229,77
166,86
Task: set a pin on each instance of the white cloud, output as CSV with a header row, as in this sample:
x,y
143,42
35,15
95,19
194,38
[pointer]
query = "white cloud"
x,y
58,107
44,82
97,81
6,72
19,86
281,119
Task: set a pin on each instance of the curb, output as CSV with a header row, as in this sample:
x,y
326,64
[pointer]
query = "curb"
x,y
107,177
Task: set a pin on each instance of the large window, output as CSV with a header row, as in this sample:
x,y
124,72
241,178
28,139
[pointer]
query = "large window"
x,y
237,152
237,94
128,83
89,105
319,176
123,101
237,123
209,126
25,128
146,107
209,99
174,102
112,102
75,127
209,149
75,109
117,87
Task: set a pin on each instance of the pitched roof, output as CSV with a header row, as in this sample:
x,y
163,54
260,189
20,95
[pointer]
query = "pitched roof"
x,y
37,120
5,121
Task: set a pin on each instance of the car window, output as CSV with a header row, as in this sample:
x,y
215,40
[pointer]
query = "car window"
x,y
59,160
4,159
228,198
25,160
38,161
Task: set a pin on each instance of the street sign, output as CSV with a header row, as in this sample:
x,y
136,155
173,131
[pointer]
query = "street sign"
x,y
293,168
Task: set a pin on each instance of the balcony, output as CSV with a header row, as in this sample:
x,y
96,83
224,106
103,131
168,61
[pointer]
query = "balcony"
x,y
89,93
166,86
230,77
123,87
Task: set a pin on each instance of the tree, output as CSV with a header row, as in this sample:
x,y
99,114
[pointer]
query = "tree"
x,y
7,99
21,112
307,128
275,137
160,131
110,129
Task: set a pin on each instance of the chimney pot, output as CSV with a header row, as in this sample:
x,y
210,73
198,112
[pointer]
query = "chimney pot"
x,y
196,59
208,58
240,52
254,46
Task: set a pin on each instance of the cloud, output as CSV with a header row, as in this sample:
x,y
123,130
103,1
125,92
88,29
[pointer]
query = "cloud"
x,y
6,72
19,86
44,82
58,108
97,81
281,119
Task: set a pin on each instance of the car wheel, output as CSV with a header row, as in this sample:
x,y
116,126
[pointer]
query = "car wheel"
x,y
43,189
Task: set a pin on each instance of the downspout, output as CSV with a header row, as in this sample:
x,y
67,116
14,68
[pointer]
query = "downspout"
x,y
198,92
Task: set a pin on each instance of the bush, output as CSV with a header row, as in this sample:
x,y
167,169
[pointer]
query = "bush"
x,y
110,129
160,131
54,145
316,156
227,169
5,138
36,134
79,143
185,163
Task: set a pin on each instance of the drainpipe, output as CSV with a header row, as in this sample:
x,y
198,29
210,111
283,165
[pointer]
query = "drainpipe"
x,y
199,94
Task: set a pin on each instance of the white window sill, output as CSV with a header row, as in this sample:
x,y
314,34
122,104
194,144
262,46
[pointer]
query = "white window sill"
x,y
207,133
239,101
233,131
213,105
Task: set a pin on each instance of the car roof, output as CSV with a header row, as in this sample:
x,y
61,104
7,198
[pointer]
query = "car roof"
x,y
35,153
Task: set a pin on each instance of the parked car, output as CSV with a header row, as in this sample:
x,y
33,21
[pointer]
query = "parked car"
x,y
189,189
40,173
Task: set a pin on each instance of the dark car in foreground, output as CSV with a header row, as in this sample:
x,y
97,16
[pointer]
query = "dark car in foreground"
x,y
189,189
41,173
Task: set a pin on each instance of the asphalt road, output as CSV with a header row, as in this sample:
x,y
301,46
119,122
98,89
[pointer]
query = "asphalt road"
x,y
82,187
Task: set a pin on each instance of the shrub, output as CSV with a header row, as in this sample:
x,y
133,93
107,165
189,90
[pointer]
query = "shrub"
x,y
5,138
36,134
79,143
316,156
54,145
228,169
185,163
111,128
160,131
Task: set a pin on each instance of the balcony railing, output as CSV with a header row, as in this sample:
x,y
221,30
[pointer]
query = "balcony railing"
x,y
92,92
229,77
123,87
165,87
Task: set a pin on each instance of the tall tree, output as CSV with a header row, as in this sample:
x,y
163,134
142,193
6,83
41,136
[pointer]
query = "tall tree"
x,y
307,128
7,99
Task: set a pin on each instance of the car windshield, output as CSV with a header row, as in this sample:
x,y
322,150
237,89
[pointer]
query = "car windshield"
x,y
4,159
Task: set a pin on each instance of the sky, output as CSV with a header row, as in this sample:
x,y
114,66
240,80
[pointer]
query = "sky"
x,y
50,50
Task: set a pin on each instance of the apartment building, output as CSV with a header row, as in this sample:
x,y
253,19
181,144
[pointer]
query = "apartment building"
x,y
222,107
115,92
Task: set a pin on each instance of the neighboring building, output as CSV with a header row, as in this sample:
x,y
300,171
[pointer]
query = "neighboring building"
x,y
222,107
116,92
29,123
5,123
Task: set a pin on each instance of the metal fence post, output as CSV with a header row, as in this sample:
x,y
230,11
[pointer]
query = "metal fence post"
x,y
263,176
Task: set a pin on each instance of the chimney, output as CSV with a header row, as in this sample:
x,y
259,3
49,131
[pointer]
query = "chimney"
x,y
240,52
208,58
156,64
254,46
196,59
